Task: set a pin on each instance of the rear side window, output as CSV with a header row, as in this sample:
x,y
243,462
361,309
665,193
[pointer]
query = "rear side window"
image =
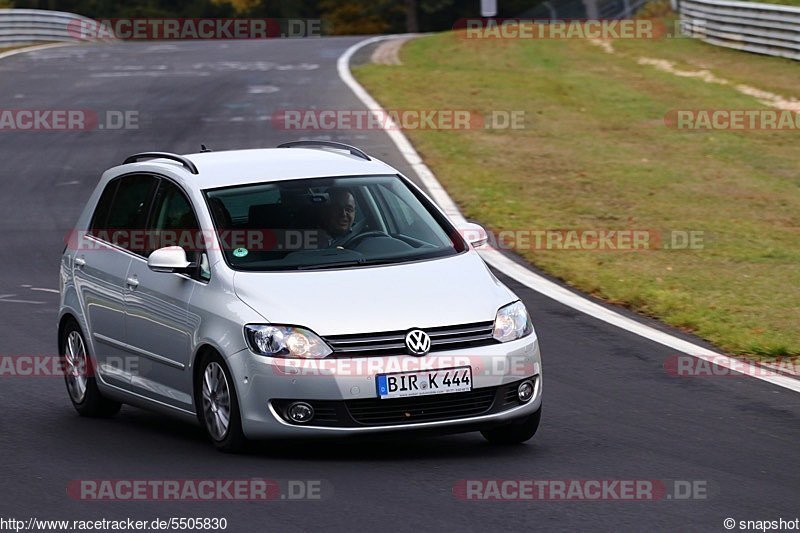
x,y
103,208
131,203
121,213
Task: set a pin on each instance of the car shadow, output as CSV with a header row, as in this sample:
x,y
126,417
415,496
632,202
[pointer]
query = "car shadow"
x,y
392,447
389,448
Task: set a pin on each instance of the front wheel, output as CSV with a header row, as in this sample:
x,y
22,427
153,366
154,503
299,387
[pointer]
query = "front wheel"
x,y
217,405
80,378
516,432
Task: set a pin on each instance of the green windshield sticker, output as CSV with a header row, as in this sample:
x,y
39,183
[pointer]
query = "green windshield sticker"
x,y
240,252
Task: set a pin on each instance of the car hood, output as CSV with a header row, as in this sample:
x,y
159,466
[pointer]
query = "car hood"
x,y
426,294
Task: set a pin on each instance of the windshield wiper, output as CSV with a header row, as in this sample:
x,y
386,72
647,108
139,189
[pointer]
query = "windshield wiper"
x,y
345,264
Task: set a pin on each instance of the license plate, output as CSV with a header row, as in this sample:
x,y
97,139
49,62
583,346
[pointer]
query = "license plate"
x,y
425,382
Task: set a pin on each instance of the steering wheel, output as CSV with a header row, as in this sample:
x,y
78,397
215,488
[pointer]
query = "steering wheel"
x,y
358,237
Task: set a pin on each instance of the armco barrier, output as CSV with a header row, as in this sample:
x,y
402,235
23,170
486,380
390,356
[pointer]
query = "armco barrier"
x,y
24,26
751,26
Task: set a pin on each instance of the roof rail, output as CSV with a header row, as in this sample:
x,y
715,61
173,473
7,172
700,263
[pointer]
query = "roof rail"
x,y
188,165
330,144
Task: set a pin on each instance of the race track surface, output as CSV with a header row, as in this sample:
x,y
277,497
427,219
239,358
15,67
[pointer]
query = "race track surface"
x,y
611,410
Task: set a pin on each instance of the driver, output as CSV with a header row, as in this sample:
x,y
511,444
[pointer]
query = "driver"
x,y
337,216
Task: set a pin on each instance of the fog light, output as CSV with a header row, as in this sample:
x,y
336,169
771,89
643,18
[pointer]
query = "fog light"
x,y
525,391
300,412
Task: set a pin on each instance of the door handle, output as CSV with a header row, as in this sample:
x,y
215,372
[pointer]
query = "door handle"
x,y
80,262
132,283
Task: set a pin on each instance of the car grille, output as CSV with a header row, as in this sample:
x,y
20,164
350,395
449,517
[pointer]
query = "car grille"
x,y
510,397
376,412
393,342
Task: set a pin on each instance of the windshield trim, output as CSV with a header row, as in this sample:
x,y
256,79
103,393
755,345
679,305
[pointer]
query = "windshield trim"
x,y
347,268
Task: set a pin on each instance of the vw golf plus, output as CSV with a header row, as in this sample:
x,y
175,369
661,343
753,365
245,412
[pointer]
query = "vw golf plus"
x,y
305,290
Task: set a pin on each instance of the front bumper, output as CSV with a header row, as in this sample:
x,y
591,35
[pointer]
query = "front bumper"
x,y
264,385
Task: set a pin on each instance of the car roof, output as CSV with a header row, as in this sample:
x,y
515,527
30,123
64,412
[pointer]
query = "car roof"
x,y
240,167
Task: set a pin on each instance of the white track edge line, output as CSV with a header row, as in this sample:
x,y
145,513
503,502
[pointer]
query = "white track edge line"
x,y
525,276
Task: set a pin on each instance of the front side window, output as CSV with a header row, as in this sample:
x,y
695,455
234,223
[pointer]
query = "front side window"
x,y
173,222
325,223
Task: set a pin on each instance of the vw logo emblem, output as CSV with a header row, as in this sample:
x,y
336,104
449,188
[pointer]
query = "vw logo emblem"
x,y
418,342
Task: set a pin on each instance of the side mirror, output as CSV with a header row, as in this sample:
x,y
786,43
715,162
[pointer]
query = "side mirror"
x,y
169,259
473,234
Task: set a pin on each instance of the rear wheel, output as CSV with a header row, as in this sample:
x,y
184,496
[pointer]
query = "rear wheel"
x,y
80,378
516,432
217,405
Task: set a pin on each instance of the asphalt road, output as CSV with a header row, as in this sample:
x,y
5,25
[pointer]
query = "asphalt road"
x,y
612,411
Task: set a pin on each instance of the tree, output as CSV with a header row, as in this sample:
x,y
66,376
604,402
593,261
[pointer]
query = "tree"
x,y
353,17
412,21
239,6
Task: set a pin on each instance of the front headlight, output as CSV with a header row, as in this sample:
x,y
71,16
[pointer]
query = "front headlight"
x,y
512,323
286,341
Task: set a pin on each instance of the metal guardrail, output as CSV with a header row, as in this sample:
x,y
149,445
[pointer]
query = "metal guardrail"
x,y
24,26
751,26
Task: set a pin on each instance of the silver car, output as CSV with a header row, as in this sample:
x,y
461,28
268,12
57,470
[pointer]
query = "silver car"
x,y
302,291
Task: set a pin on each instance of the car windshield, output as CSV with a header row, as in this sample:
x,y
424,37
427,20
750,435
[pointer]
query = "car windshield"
x,y
326,223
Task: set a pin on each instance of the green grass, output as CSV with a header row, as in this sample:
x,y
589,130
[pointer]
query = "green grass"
x,y
595,154
7,48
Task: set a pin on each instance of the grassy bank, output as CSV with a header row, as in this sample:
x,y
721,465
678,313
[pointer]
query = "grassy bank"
x,y
595,154
7,48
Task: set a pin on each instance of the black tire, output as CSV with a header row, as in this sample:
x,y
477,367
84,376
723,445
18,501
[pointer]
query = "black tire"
x,y
516,432
232,440
79,369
